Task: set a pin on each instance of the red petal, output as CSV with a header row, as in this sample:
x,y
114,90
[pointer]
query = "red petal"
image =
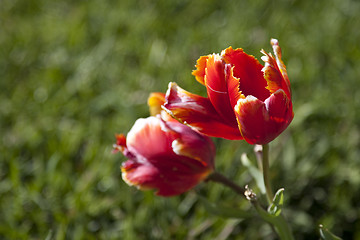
x,y
280,111
137,174
198,112
233,86
217,88
261,122
193,145
281,65
120,145
120,140
169,176
275,71
143,135
252,117
248,70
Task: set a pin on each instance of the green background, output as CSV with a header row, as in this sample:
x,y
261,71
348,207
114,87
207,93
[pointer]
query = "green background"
x,y
74,73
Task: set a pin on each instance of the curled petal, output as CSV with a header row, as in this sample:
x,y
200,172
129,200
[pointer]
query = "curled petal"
x,y
199,73
199,113
281,65
217,89
280,111
143,135
275,71
261,122
233,85
121,146
139,175
120,140
248,70
169,177
155,100
193,145
252,117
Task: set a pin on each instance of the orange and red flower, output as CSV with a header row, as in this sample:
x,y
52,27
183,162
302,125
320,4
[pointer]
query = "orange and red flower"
x,y
246,100
166,156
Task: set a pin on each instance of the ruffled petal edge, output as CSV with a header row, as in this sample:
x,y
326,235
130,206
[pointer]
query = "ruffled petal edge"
x,y
198,113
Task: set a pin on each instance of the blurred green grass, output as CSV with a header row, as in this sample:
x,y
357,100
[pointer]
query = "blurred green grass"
x,y
74,73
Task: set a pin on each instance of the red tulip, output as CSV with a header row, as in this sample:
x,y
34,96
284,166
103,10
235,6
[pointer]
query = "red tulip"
x,y
166,156
246,100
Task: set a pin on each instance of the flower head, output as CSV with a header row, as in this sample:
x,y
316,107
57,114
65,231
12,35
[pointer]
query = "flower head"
x,y
166,156
246,100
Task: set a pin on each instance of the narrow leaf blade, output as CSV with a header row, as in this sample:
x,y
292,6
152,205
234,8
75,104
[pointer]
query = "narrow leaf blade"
x,y
254,172
276,206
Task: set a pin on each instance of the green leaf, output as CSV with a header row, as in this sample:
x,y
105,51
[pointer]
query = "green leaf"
x,y
325,234
224,211
275,207
254,172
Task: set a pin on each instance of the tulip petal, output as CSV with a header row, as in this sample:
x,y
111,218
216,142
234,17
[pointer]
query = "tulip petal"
x,y
217,88
233,86
193,145
248,70
280,111
155,100
169,177
139,175
280,63
120,141
252,115
199,113
199,73
121,146
261,122
275,71
142,136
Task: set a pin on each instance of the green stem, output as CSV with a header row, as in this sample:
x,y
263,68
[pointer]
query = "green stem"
x,y
266,172
279,222
218,177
